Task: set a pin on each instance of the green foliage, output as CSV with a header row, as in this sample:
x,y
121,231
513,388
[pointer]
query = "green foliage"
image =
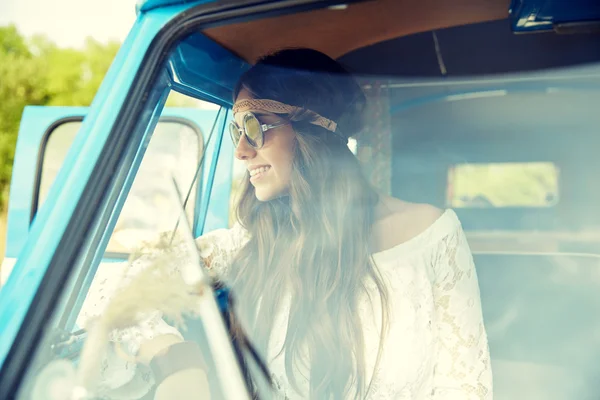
x,y
531,184
37,72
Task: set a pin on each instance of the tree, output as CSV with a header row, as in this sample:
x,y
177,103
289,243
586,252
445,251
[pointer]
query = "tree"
x,y
20,84
37,72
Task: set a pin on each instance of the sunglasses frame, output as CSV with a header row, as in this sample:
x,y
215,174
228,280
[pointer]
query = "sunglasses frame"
x,y
242,131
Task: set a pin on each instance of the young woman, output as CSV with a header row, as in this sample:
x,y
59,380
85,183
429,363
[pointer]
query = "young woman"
x,y
347,293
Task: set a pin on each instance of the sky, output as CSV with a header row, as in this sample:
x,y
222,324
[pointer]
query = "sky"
x,y
69,22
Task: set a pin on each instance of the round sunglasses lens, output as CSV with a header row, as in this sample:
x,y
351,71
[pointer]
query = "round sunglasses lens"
x,y
234,132
253,130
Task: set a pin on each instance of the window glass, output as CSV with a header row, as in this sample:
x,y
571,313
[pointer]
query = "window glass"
x,y
502,185
174,150
57,145
151,219
511,159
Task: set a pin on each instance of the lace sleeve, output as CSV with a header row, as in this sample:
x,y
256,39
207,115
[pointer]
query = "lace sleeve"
x,y
122,378
217,248
462,369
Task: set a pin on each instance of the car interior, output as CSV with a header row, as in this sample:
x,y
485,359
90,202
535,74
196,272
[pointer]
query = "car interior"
x,y
455,91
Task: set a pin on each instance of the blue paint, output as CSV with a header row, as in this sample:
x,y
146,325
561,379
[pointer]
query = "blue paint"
x,y
147,5
123,191
211,157
217,210
202,68
34,123
48,228
543,15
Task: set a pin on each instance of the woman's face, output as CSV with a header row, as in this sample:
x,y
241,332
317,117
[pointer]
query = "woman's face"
x,y
270,167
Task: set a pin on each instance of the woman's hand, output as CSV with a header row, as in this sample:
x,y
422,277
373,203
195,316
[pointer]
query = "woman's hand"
x,y
186,384
156,346
189,383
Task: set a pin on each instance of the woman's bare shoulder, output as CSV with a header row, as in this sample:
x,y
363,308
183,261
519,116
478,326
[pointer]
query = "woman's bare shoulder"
x,y
398,221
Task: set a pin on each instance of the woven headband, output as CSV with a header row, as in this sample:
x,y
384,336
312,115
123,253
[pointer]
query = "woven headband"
x,y
275,107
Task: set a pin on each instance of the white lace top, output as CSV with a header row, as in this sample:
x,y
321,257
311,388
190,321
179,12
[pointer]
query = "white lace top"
x,y
436,347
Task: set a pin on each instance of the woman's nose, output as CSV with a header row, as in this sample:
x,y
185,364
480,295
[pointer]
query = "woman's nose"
x,y
243,150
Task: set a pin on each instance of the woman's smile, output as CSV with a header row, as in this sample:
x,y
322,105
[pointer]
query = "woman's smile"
x,y
258,172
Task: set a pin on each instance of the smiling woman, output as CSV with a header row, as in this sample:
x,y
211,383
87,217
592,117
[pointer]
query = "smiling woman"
x,y
315,247
343,273
266,145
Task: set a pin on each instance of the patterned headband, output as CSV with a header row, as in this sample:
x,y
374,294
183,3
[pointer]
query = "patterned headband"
x,y
275,107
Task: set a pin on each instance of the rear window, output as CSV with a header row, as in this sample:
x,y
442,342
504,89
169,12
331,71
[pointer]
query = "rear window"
x,y
494,185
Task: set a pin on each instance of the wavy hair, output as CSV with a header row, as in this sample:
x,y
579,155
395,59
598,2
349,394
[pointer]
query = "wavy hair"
x,y
312,246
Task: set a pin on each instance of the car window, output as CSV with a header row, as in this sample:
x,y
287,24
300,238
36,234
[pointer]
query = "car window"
x,y
514,156
178,160
175,149
492,185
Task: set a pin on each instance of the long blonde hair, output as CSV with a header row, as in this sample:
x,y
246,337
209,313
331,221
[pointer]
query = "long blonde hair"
x,y
314,243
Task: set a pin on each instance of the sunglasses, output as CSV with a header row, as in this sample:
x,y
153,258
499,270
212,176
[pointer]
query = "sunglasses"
x,y
252,129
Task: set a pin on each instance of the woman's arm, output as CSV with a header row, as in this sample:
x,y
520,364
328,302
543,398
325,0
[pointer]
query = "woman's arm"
x,y
462,369
186,384
136,284
219,247
189,382
155,346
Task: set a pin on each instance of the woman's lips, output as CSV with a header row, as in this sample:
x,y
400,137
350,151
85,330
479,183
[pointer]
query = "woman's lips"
x,y
258,173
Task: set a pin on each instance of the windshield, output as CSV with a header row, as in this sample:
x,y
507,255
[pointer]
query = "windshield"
x,y
362,229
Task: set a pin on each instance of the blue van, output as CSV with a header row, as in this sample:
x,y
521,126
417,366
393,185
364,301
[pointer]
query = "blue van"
x,y
485,107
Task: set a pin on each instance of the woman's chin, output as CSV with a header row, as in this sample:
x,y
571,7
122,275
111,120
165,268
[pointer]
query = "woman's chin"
x,y
264,194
